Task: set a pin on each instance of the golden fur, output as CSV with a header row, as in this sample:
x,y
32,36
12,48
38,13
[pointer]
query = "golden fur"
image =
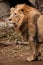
x,y
25,19
40,28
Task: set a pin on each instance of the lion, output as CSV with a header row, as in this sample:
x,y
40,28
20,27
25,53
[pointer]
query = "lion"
x,y
25,20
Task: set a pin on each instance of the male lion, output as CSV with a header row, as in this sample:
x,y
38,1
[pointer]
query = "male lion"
x,y
25,18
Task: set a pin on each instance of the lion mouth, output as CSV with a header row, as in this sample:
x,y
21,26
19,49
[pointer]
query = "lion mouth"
x,y
15,24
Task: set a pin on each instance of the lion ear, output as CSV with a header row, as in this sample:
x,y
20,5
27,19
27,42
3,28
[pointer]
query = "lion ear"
x,y
12,10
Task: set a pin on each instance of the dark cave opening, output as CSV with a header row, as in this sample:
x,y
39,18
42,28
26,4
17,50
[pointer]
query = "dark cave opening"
x,y
13,3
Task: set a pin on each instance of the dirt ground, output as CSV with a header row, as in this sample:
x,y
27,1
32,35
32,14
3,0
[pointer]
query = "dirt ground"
x,y
14,55
22,63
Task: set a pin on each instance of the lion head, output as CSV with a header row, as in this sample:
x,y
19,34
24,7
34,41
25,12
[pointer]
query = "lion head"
x,y
18,14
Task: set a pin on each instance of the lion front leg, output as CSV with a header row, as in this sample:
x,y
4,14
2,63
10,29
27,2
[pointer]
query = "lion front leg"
x,y
31,41
32,51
